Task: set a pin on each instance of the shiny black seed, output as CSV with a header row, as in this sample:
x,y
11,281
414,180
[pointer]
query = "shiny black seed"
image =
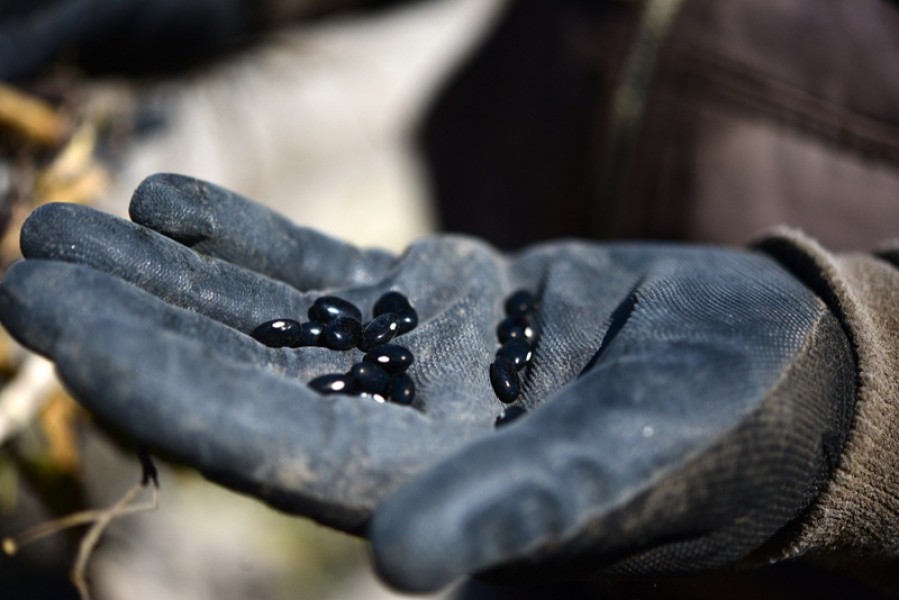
x,y
510,414
328,308
334,383
520,303
369,377
380,330
342,333
504,378
376,397
512,328
310,332
401,389
408,320
395,302
518,351
390,357
278,333
531,330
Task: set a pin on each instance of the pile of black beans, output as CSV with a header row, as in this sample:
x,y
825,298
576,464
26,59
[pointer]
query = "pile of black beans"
x,y
517,334
337,324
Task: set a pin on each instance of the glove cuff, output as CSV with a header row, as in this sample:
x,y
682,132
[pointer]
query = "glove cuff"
x,y
858,511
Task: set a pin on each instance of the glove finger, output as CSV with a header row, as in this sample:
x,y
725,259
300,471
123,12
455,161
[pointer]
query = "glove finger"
x,y
223,224
201,393
687,444
332,458
228,293
42,301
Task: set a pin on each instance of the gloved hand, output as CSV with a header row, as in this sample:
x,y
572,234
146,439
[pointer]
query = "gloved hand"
x,y
684,403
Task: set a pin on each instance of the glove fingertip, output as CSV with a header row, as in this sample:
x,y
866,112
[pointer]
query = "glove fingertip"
x,y
481,508
160,184
38,232
28,307
163,202
14,294
410,553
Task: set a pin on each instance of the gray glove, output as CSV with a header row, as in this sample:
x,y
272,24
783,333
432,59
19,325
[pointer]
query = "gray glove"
x,y
685,404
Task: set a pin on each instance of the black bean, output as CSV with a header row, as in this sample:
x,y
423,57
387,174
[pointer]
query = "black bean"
x,y
310,333
334,383
395,302
342,333
510,414
504,378
380,330
278,333
518,327
520,304
532,330
328,308
376,397
390,357
401,389
369,377
518,351
408,320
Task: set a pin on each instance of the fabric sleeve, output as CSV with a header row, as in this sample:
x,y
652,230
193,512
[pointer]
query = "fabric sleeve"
x,y
857,515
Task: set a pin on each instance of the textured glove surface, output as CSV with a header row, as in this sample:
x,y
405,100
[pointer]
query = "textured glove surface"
x,y
685,403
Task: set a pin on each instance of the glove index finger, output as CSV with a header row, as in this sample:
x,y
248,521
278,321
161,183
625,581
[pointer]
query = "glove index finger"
x,y
225,225
257,431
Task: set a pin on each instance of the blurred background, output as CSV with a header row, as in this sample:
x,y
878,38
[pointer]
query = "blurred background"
x,y
379,121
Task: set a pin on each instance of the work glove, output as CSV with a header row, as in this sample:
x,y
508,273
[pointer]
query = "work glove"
x,y
685,404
